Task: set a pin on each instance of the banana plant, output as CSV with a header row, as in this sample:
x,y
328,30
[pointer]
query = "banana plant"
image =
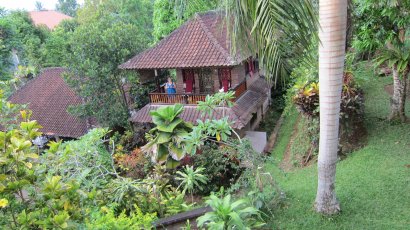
x,y
167,138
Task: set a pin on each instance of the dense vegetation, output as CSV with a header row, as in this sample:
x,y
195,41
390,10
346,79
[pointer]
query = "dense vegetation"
x,y
108,180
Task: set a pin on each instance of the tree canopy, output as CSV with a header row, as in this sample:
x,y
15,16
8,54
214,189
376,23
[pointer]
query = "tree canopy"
x,y
108,34
170,14
68,7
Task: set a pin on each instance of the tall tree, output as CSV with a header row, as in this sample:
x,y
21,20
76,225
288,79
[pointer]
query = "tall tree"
x,y
39,6
68,7
332,35
18,33
6,46
109,33
56,48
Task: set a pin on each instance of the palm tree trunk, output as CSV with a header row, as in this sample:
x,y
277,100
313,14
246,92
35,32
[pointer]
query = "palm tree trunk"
x,y
332,34
398,100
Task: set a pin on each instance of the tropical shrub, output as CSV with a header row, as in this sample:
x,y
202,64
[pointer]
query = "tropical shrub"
x,y
229,214
85,160
306,98
8,112
221,166
56,205
166,140
161,196
191,179
107,219
134,165
17,168
154,194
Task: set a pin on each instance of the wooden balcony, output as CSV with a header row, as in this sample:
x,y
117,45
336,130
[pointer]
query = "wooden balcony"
x,y
189,98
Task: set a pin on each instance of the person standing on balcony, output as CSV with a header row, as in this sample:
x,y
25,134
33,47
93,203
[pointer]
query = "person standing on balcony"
x,y
170,86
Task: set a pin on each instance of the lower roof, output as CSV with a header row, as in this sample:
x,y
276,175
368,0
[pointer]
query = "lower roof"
x,y
49,97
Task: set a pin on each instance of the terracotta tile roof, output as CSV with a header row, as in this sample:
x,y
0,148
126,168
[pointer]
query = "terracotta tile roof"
x,y
48,96
200,42
240,114
49,18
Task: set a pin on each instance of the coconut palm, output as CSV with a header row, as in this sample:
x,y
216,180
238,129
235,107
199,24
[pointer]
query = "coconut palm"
x,y
278,24
332,35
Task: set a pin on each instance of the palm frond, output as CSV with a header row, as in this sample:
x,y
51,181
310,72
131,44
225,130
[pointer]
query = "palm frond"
x,y
276,29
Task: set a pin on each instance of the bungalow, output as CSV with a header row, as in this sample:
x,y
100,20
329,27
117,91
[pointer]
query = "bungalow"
x,y
49,97
199,52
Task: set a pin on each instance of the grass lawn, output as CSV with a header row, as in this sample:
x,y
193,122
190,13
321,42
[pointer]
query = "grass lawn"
x,y
372,184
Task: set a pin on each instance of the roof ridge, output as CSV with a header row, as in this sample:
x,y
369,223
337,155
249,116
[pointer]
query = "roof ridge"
x,y
213,39
159,43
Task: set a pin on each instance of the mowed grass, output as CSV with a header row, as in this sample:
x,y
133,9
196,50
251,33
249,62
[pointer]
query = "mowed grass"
x,y
372,184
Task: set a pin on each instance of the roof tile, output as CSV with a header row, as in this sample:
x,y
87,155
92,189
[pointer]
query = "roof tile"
x,y
49,97
200,42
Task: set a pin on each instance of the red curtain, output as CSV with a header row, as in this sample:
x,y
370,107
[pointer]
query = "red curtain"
x,y
189,80
225,78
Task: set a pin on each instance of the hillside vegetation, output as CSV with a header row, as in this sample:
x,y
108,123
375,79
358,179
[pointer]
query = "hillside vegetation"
x,y
372,183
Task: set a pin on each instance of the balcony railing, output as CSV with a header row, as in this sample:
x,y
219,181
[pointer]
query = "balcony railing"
x,y
189,98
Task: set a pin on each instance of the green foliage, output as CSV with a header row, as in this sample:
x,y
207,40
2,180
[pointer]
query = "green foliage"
x,y
255,183
221,166
305,141
68,7
191,179
134,165
306,98
228,214
377,22
209,130
170,14
39,6
215,100
17,158
277,38
56,205
6,35
107,219
56,47
8,113
166,140
109,33
85,160
18,32
397,57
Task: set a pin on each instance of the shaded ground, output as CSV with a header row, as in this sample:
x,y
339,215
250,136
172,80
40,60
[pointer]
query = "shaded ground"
x,y
372,184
